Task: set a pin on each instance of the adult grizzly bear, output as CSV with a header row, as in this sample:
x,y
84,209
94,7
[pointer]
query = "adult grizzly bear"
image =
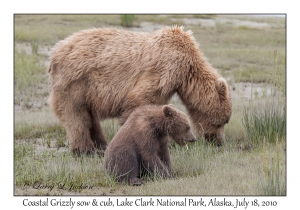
x,y
141,145
105,73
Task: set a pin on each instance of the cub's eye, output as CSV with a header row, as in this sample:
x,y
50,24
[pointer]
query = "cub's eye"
x,y
188,128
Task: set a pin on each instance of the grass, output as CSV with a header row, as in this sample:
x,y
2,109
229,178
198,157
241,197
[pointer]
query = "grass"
x,y
30,79
201,170
51,167
51,28
127,20
28,70
265,123
30,125
253,160
34,46
273,184
268,122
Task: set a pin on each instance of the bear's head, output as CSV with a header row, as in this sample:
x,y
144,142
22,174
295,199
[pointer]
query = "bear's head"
x,y
178,125
218,108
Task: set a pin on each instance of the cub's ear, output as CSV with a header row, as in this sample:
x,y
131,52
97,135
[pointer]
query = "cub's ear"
x,y
222,88
169,110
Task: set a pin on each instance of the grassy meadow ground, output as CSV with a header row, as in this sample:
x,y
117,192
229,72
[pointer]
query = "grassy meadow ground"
x,y
249,51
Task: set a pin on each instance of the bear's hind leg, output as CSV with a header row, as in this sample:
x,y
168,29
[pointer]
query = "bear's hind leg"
x,y
69,105
133,169
97,134
124,163
78,124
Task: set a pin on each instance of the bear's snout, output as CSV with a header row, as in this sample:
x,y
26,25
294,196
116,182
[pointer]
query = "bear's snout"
x,y
191,140
189,137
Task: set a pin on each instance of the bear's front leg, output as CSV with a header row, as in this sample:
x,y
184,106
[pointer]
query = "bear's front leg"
x,y
164,153
135,181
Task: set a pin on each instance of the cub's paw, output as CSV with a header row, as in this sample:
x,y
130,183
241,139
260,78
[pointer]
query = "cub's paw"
x,y
136,181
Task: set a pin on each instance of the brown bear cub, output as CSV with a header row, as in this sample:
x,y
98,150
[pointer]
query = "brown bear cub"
x,y
142,143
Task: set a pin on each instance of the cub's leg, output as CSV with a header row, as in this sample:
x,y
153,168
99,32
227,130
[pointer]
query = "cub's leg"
x,y
135,181
122,161
164,153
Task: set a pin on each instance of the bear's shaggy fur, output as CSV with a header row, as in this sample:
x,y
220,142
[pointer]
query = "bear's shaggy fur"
x,y
105,73
142,142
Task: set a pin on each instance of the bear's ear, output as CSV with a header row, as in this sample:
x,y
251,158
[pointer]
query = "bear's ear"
x,y
222,88
169,110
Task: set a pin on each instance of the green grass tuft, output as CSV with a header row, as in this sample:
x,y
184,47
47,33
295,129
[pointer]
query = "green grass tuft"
x,y
34,46
267,122
127,20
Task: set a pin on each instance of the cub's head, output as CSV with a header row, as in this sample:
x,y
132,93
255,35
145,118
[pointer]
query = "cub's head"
x,y
178,125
